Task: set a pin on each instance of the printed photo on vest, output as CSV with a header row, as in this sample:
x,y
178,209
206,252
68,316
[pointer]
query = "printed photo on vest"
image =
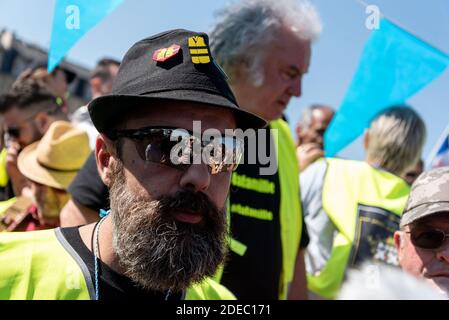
x,y
373,239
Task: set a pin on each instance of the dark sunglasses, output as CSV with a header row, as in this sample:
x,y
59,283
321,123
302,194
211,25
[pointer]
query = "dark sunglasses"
x,y
428,239
13,132
179,148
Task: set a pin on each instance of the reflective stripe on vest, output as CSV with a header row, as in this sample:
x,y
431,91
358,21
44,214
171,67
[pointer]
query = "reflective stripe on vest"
x,y
41,265
360,200
290,209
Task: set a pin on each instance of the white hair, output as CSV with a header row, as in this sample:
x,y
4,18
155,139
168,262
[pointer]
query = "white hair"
x,y
396,139
243,31
382,282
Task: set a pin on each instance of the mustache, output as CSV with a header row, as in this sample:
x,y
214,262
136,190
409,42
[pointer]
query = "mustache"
x,y
189,201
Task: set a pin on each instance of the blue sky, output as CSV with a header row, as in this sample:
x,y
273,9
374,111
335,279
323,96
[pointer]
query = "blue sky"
x,y
334,60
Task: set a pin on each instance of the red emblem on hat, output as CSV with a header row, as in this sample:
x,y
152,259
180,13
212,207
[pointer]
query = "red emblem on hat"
x,y
163,54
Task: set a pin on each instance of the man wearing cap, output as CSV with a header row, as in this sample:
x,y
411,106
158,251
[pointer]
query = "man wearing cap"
x,y
49,165
166,230
422,242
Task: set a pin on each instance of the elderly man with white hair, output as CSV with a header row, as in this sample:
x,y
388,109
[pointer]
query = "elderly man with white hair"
x,y
265,49
353,208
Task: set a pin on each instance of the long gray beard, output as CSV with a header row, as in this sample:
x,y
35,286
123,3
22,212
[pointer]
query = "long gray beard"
x,y
157,252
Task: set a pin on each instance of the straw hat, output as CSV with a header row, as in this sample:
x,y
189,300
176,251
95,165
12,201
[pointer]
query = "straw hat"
x,y
55,160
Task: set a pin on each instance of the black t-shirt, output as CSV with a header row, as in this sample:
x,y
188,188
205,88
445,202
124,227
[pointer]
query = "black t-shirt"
x,y
255,222
112,286
88,189
6,192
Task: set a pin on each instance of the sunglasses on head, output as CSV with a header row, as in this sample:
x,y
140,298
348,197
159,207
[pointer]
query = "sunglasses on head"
x,y
180,148
428,239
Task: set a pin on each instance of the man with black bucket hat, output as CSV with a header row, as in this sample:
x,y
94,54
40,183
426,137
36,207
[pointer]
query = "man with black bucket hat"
x,y
166,232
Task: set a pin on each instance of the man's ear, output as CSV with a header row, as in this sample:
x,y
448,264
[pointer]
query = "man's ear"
x,y
298,135
398,243
366,139
104,155
42,122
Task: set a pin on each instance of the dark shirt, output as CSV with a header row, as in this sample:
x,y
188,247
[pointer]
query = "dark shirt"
x,y
88,189
112,285
255,222
6,192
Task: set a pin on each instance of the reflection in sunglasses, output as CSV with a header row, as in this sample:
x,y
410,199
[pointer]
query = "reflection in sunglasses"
x,y
180,148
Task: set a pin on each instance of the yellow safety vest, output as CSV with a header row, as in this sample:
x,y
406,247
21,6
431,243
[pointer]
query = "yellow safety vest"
x,y
3,174
365,205
290,209
41,265
4,179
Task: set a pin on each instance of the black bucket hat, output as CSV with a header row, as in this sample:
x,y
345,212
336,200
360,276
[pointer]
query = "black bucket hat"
x,y
173,65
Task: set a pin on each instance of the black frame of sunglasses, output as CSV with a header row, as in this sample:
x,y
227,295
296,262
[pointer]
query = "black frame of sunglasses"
x,y
416,243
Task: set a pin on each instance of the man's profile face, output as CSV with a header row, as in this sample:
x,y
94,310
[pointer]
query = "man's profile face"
x,y
286,60
169,224
412,173
432,264
321,119
106,86
21,125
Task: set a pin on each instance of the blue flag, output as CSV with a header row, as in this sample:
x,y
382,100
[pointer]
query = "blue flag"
x,y
72,19
394,66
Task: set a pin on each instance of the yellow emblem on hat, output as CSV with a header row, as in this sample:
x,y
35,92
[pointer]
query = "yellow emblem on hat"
x,y
199,50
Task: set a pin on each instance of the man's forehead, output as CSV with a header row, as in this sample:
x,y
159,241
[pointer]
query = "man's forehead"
x,y
181,114
14,113
292,50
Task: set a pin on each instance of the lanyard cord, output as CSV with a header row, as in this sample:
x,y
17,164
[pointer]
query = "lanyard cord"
x,y
96,257
96,234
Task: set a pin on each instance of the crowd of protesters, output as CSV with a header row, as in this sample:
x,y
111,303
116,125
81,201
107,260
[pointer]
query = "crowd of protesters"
x,y
98,192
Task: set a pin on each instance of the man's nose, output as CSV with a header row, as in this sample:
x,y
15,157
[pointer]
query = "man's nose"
x,y
443,253
196,178
295,87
